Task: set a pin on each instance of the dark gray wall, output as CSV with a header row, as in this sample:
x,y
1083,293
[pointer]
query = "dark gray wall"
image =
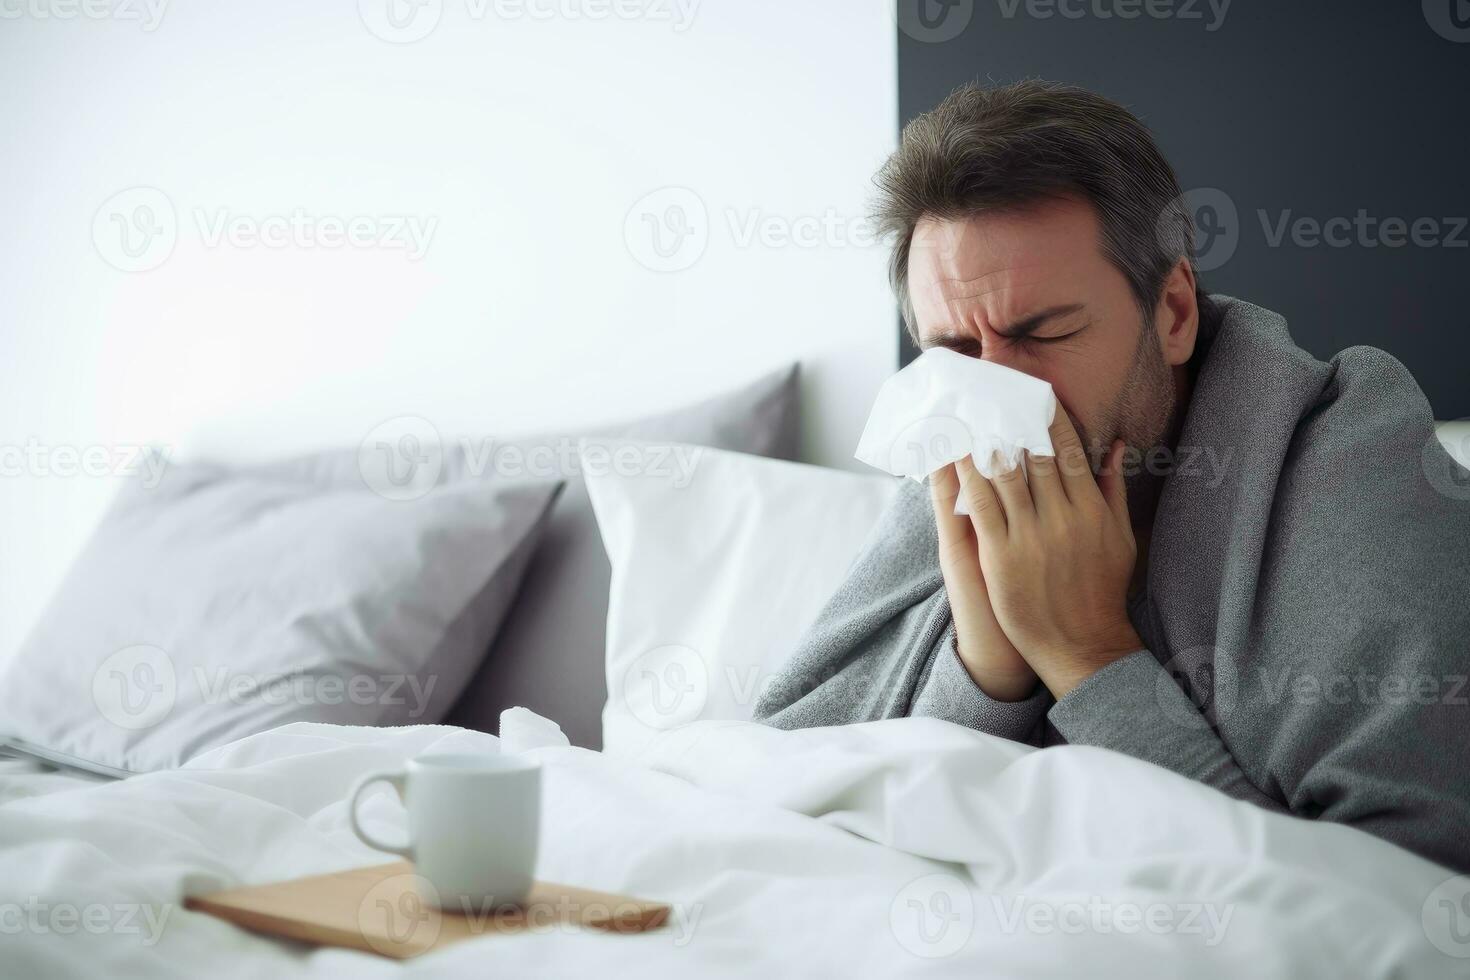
x,y
1296,108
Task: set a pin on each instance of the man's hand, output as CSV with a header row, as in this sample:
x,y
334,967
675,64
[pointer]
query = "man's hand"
x,y
988,656
1057,556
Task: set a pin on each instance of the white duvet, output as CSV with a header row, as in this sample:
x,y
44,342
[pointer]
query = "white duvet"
x,y
885,849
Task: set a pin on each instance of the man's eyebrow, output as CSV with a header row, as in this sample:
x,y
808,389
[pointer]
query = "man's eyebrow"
x,y
1021,328
1034,322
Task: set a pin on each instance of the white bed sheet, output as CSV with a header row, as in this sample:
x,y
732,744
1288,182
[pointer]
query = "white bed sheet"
x,y
882,849
22,777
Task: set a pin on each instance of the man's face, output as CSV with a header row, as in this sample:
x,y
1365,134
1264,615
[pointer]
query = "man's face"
x,y
1032,290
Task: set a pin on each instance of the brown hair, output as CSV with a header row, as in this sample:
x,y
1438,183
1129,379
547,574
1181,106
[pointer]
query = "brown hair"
x,y
1005,147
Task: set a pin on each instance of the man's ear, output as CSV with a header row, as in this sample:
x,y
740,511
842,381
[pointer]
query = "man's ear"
x,y
1176,317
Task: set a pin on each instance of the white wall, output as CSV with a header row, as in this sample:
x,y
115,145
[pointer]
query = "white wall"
x,y
525,139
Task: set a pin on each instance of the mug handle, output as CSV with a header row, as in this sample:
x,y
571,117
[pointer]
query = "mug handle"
x,y
396,779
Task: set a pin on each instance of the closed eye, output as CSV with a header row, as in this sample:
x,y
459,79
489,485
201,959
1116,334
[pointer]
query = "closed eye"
x,y
1028,340
972,347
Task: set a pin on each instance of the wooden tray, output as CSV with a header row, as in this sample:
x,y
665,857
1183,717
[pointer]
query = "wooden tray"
x,y
379,910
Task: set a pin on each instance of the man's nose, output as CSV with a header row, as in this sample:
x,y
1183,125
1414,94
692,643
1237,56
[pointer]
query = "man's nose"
x,y
1005,355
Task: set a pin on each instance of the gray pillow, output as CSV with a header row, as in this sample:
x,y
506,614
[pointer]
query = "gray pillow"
x,y
222,602
549,655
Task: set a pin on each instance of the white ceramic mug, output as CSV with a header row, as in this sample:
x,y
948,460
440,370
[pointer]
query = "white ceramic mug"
x,y
473,824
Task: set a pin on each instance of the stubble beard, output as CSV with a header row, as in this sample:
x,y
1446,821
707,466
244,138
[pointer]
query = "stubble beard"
x,y
1145,415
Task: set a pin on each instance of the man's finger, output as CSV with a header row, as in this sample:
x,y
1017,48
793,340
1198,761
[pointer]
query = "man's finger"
x,y
1046,486
944,489
1071,458
1114,487
986,514
1015,496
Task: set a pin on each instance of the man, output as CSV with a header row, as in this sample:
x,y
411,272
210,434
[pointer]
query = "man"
x,y
1261,588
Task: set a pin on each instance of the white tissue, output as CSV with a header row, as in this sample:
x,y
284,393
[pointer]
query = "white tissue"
x,y
946,406
522,730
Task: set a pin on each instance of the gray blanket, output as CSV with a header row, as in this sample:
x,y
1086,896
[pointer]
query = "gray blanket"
x,y
1306,612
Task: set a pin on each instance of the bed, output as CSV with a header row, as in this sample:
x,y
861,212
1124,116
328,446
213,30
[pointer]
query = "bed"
x,y
887,848
884,849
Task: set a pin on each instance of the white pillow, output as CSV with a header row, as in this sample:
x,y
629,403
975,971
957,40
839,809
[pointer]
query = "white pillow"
x,y
720,562
548,653
1456,439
